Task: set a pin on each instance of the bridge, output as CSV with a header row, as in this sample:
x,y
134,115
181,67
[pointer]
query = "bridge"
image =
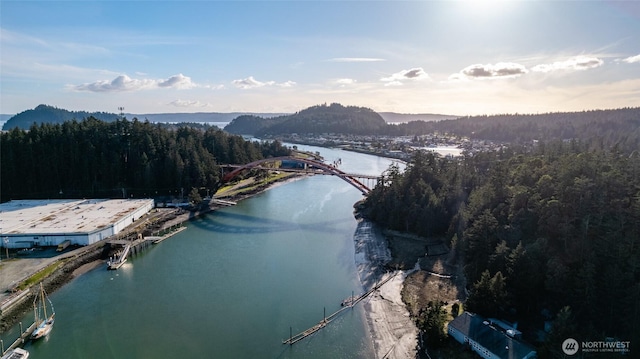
x,y
313,166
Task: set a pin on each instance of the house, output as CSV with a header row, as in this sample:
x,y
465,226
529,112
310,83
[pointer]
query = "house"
x,y
490,338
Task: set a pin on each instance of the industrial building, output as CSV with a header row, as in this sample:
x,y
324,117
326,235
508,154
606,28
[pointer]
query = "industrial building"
x,y
33,223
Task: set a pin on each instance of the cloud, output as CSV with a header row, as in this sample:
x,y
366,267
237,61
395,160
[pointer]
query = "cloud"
x,y
397,79
287,84
177,81
632,59
355,59
251,83
188,103
344,82
125,83
499,70
575,63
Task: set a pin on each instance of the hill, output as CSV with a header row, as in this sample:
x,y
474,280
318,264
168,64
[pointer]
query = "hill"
x,y
49,114
334,118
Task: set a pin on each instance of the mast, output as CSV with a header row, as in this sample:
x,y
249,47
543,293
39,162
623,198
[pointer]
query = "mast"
x,y
44,304
35,310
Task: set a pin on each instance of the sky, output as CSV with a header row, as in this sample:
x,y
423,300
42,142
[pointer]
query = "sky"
x,y
442,57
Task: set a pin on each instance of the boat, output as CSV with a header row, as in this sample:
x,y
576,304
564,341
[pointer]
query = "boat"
x,y
17,353
44,322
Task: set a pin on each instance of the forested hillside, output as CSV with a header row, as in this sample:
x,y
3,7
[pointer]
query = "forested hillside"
x,y
333,118
251,125
551,233
98,159
50,114
600,128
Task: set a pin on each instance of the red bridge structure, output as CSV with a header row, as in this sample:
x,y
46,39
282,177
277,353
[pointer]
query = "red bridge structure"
x,y
313,166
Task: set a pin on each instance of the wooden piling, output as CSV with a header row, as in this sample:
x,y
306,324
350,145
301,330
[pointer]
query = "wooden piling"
x,y
326,320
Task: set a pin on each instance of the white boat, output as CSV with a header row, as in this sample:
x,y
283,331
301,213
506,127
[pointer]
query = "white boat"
x,y
17,353
44,322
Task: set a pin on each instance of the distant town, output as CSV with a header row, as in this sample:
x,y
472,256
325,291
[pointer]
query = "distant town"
x,y
397,147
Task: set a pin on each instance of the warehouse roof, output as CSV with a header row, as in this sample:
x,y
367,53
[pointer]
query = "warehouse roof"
x,y
64,216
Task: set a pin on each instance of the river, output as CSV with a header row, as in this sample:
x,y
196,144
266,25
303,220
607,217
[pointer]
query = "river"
x,y
232,285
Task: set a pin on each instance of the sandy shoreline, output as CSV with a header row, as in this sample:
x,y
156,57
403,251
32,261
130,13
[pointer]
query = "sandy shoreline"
x,y
393,332
87,267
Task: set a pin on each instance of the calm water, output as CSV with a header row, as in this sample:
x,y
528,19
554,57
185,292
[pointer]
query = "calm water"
x,y
231,285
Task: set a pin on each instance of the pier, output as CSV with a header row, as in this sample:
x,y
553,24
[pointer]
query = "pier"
x,y
18,342
353,300
138,245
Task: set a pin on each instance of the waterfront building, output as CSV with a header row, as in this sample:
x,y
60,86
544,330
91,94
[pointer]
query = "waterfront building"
x,y
36,223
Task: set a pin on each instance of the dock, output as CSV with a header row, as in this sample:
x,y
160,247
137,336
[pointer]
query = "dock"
x,y
222,202
18,342
298,337
158,239
352,300
133,247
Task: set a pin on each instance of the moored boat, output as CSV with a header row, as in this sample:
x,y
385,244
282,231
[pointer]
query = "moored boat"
x,y
44,322
17,353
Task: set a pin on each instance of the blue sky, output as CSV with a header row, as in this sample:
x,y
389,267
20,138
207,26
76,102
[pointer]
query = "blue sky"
x,y
448,57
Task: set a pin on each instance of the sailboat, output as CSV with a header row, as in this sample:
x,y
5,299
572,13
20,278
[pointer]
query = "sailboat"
x,y
44,322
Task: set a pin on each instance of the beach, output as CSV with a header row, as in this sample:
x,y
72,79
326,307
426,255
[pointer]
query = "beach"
x,y
393,332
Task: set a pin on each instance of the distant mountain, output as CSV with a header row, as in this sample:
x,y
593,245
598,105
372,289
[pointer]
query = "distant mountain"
x,y
246,122
393,117
50,114
333,118
198,116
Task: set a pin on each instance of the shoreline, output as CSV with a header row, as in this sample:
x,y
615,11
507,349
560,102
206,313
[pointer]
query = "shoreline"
x,y
393,332
84,259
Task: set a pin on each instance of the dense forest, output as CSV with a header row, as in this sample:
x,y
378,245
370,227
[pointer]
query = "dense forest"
x,y
98,159
549,233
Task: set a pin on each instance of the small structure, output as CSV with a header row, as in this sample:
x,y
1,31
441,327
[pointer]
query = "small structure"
x,y
490,340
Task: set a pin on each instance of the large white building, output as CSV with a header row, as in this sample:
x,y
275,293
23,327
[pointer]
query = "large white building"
x,y
30,223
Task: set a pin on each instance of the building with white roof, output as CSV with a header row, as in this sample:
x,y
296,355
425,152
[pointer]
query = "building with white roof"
x,y
31,223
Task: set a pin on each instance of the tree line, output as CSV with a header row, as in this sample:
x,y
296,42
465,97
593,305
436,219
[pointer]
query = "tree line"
x,y
545,233
96,159
599,129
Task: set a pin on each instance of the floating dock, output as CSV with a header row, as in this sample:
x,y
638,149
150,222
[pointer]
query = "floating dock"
x,y
352,300
18,342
